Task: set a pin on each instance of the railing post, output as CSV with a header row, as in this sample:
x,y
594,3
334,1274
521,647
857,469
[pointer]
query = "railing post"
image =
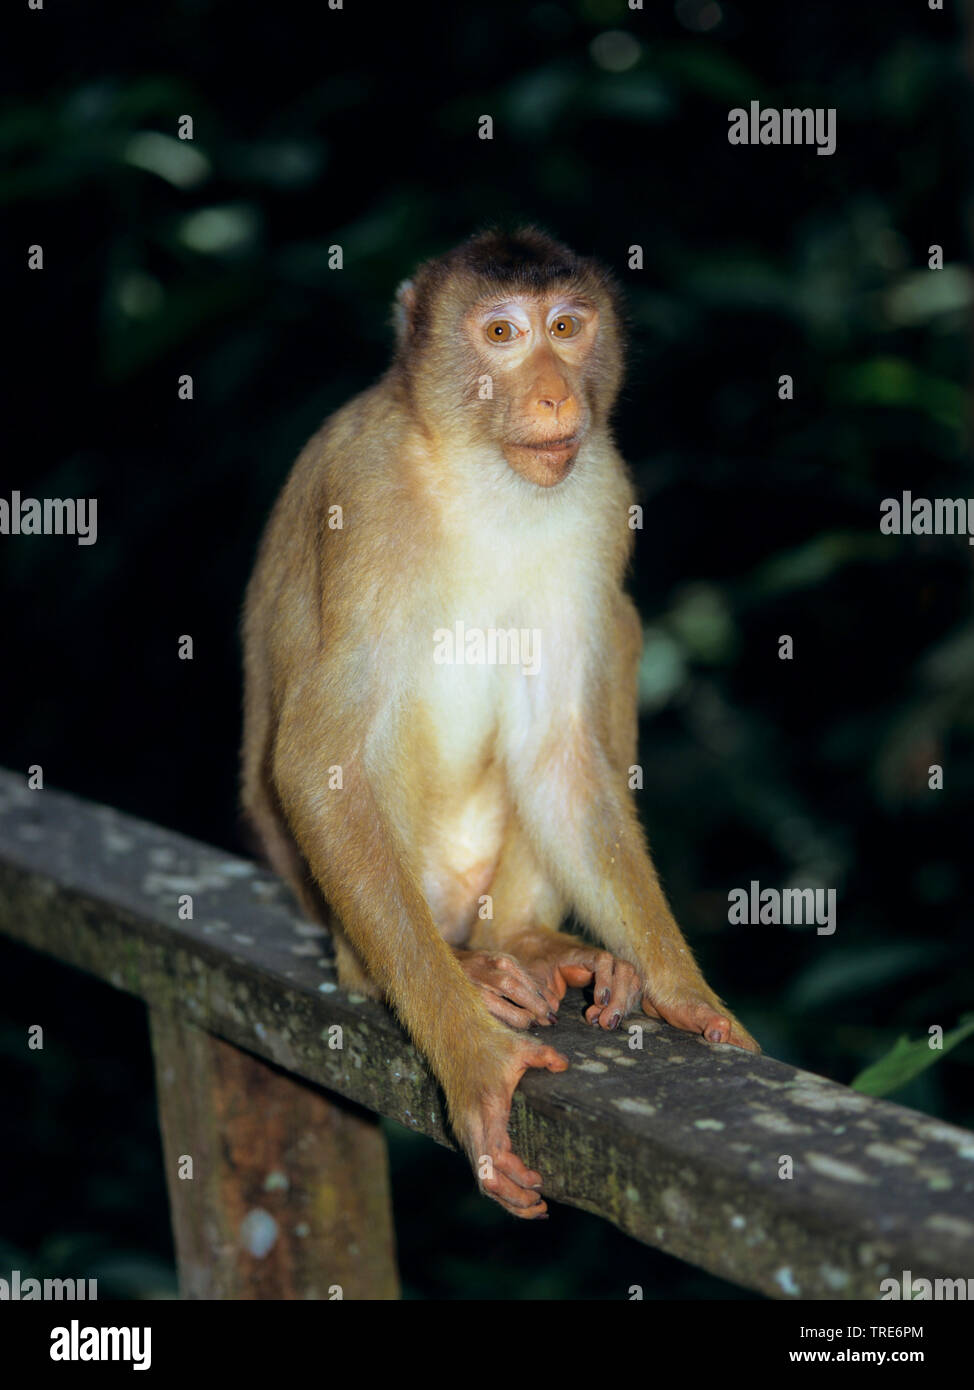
x,y
277,1190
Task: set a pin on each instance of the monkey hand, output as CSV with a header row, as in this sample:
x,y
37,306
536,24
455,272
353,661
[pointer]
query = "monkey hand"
x,y
507,989
556,961
695,1008
483,1131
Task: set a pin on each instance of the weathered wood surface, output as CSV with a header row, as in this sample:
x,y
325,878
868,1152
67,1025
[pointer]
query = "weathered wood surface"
x,y
677,1143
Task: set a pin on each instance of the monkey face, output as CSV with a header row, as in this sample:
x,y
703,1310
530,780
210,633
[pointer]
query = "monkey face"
x,y
511,348
535,350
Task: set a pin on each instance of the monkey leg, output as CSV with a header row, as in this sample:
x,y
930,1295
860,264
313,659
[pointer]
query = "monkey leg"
x,y
527,913
266,819
278,847
388,922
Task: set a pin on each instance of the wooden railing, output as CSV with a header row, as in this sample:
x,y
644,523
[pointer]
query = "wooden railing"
x,y
279,1187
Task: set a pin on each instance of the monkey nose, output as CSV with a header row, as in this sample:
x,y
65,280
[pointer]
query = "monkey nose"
x,y
550,403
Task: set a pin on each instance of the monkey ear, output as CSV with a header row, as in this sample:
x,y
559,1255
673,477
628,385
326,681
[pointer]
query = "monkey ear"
x,y
403,309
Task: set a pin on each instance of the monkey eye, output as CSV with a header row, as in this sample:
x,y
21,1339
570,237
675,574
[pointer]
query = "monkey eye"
x,y
565,326
501,331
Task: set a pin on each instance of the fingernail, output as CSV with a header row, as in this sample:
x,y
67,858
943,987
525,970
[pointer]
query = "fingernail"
x,y
614,1021
604,997
552,1018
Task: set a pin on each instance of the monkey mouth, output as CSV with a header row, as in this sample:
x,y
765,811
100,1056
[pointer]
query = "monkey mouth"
x,y
544,461
567,444
554,454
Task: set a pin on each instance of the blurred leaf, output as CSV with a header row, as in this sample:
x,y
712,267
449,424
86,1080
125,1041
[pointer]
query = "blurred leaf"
x,y
176,161
926,294
603,11
705,68
908,1059
906,75
858,970
702,619
216,231
284,164
951,663
893,381
737,277
817,560
534,103
633,96
662,669
130,344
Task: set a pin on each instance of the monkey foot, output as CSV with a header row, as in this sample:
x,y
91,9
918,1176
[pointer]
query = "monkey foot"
x,y
507,989
695,1013
500,1173
557,961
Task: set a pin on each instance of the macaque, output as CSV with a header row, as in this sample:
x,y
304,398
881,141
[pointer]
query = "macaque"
x,y
468,507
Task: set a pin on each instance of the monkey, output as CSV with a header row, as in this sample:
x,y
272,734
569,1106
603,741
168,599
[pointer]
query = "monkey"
x,y
446,815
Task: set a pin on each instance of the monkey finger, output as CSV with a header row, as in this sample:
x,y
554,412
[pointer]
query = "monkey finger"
x,y
534,1212
625,991
577,973
547,1058
543,976
513,1185
521,989
509,1193
555,983
507,1012
518,1171
548,983
504,975
516,1188
604,971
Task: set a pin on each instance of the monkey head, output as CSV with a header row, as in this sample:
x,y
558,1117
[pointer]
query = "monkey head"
x,y
514,345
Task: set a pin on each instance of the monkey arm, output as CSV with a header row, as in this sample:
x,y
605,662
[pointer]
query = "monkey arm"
x,y
596,852
364,877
